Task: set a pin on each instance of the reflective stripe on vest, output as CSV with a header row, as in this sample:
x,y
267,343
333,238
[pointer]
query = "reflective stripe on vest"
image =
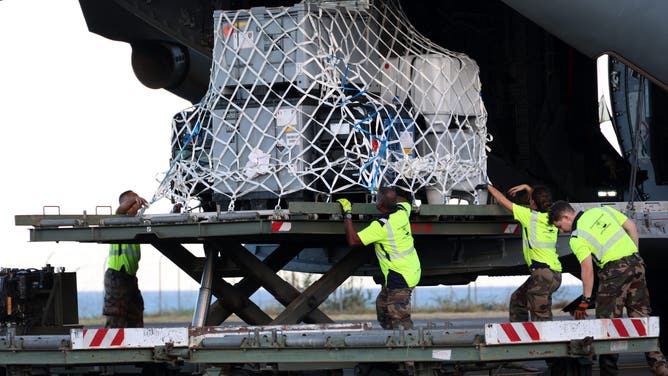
x,y
533,234
607,210
601,249
394,254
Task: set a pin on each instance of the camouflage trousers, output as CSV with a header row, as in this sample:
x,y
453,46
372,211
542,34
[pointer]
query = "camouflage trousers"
x,y
621,284
535,296
123,303
393,308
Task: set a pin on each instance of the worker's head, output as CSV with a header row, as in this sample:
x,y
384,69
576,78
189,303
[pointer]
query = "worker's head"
x,y
562,215
386,199
129,203
127,195
403,194
541,199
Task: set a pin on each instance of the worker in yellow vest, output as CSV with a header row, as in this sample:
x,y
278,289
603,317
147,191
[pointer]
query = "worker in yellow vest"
x,y
123,303
539,245
393,243
609,239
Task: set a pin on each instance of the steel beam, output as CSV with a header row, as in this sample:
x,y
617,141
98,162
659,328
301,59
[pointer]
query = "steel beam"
x,y
230,297
423,210
280,289
59,357
204,297
280,257
441,354
310,358
256,231
313,296
39,220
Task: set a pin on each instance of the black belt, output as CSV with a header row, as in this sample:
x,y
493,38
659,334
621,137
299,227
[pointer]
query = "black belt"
x,y
538,265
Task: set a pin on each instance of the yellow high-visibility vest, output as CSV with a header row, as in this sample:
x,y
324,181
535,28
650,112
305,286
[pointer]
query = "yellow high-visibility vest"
x,y
124,256
599,232
539,237
393,243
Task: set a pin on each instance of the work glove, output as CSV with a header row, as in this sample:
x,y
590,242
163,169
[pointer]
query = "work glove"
x,y
580,312
346,206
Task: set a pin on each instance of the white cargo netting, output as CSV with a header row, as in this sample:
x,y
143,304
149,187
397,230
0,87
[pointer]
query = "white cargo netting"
x,y
323,99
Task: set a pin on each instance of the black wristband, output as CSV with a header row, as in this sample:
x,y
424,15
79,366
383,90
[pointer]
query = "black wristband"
x,y
584,299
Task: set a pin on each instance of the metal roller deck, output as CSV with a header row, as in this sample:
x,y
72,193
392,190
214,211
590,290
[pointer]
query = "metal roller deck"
x,y
327,346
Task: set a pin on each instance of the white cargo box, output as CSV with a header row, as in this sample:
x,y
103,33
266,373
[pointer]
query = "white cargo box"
x,y
435,84
268,46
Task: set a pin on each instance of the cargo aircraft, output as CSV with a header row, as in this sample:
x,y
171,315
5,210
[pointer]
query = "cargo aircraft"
x,y
593,129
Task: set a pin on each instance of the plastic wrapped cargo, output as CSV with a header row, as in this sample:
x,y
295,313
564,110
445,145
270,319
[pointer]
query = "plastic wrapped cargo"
x,y
319,99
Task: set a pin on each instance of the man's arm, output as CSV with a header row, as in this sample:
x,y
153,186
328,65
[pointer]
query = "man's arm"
x,y
351,235
500,197
132,206
587,276
631,229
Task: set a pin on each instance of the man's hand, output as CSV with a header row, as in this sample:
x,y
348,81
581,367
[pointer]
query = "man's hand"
x,y
132,206
346,206
580,312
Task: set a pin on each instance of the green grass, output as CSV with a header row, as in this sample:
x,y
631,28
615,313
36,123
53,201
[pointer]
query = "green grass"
x,y
442,309
172,316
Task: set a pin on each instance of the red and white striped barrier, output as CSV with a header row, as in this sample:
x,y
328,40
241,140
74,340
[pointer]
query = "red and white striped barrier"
x,y
106,338
280,226
511,228
558,331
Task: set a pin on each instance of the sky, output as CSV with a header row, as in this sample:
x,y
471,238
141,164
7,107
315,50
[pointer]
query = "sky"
x,y
79,130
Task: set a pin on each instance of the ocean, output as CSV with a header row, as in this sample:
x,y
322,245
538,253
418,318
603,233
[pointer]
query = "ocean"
x,y
155,302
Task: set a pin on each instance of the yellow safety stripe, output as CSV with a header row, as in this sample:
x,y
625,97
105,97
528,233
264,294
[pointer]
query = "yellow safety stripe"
x,y
607,210
533,234
397,255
